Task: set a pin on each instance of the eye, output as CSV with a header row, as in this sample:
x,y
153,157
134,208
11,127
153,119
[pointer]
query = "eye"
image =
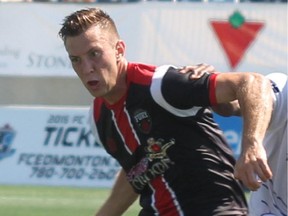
x,y
74,59
95,53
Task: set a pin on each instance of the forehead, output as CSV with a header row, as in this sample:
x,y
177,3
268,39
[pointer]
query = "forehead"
x,y
93,37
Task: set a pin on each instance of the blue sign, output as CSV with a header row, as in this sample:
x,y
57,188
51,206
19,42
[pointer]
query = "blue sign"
x,y
232,128
7,135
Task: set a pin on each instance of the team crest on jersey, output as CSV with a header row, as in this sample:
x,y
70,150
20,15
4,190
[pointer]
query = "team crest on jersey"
x,y
143,120
158,148
154,163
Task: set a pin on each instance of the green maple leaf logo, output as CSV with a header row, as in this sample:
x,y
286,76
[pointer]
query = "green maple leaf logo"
x,y
236,19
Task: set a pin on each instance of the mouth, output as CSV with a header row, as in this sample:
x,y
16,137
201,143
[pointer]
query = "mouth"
x,y
93,84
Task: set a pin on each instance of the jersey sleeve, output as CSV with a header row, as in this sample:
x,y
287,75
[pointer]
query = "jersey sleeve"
x,y
179,91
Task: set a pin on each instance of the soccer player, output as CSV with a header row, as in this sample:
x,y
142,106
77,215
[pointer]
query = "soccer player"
x,y
158,124
271,197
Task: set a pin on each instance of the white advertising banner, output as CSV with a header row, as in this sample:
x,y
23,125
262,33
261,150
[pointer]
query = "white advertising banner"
x,y
55,146
52,146
232,37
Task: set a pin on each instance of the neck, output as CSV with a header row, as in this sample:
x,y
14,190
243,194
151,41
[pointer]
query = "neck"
x,y
121,85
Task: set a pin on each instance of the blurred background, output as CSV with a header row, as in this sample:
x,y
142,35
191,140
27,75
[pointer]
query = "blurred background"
x,y
45,138
231,35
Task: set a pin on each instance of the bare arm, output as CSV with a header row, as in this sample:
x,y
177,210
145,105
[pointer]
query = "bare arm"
x,y
228,109
253,92
249,95
120,199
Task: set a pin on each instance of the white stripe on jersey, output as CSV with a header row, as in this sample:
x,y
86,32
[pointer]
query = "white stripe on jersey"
x,y
131,127
157,95
175,201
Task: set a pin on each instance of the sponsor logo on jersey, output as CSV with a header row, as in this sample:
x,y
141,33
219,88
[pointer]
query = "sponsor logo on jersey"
x,y
143,120
7,135
154,163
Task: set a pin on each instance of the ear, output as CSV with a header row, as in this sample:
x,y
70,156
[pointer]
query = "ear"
x,y
120,48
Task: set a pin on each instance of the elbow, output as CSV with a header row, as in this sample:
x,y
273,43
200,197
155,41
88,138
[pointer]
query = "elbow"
x,y
228,109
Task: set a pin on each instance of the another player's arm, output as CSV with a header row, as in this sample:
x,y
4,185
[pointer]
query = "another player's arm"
x,y
253,93
121,198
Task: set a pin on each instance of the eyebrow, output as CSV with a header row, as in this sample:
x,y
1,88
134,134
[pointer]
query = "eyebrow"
x,y
90,50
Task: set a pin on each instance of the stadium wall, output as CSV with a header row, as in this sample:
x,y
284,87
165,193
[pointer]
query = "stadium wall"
x,y
48,142
232,37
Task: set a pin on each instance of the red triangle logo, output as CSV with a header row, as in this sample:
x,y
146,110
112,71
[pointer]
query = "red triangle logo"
x,y
235,36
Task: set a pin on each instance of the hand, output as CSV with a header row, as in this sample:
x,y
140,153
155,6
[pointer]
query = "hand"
x,y
252,167
198,70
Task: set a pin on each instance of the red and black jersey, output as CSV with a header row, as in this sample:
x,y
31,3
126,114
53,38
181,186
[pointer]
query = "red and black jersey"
x,y
163,135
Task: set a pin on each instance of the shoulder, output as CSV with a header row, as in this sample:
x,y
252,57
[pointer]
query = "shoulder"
x,y
140,73
279,80
279,87
178,89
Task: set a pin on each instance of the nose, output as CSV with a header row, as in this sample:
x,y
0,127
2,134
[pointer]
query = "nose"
x,y
87,66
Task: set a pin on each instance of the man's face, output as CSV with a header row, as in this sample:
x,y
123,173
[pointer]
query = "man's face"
x,y
93,55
